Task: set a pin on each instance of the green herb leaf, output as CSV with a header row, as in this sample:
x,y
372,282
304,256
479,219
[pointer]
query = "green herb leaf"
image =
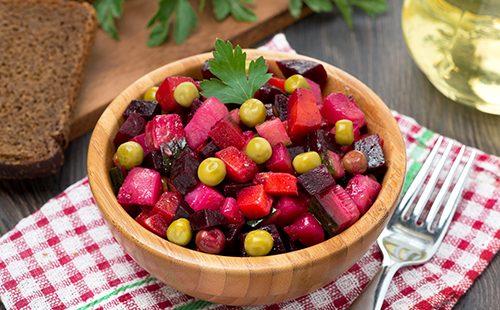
x,y
241,13
345,10
370,7
319,5
107,11
233,84
295,7
185,21
221,9
237,8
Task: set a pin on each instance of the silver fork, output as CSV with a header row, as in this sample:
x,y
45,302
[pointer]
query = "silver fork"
x,y
408,240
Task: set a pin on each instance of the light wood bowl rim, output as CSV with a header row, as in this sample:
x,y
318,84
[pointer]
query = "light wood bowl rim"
x,y
116,216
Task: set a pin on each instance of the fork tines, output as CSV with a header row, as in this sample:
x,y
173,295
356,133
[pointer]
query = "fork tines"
x,y
449,208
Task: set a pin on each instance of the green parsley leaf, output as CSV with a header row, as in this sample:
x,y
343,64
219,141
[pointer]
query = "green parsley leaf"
x,y
233,84
295,8
184,23
107,11
319,5
370,7
241,13
237,8
221,9
345,10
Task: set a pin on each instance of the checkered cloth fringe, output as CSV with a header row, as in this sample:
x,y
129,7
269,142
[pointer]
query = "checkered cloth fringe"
x,y
63,256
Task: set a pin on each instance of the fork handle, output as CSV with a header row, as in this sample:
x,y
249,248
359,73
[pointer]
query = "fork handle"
x,y
374,294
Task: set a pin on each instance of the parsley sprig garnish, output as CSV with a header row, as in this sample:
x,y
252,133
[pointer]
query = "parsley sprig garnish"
x,y
184,18
107,11
233,83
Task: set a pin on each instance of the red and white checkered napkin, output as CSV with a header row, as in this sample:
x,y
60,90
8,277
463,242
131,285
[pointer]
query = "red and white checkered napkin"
x,y
63,256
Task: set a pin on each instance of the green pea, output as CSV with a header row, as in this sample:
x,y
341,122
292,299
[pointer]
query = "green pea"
x,y
344,132
185,93
305,162
129,155
211,171
150,94
179,232
296,81
252,112
259,150
258,243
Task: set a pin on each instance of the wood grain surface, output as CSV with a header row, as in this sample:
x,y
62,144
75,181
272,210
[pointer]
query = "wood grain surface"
x,y
113,65
375,53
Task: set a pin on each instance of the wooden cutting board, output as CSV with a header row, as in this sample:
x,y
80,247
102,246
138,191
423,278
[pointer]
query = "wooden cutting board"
x,y
113,65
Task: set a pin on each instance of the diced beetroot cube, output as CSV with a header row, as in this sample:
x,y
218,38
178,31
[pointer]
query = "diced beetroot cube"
x,y
253,202
165,93
231,211
266,93
306,229
281,107
167,205
232,189
363,190
296,150
303,114
240,168
248,135
338,106
233,239
234,116
339,206
142,187
210,112
184,171
278,183
316,180
183,210
371,146
133,126
141,139
333,162
288,209
206,218
280,160
320,141
194,107
274,132
277,82
153,222
204,197
316,90
146,109
205,70
307,68
269,111
226,133
208,150
163,128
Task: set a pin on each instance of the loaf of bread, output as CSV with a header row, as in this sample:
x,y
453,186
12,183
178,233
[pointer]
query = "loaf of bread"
x,y
43,48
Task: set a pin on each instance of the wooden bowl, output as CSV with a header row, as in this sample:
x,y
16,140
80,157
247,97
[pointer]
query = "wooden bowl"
x,y
244,280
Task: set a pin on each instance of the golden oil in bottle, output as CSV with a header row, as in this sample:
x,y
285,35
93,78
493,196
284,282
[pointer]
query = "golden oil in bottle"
x,y
456,43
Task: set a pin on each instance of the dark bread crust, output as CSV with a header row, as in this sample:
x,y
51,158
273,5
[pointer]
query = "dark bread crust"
x,y
45,46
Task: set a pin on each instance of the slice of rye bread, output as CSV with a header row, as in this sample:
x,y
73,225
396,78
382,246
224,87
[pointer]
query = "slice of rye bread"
x,y
43,48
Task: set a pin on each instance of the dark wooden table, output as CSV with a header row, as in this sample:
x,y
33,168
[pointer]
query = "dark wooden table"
x,y
375,53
